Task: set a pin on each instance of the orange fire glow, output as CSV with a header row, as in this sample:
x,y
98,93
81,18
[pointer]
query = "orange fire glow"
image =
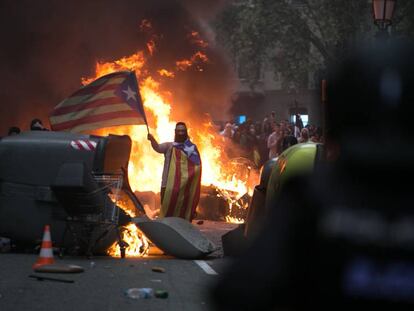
x,y
234,220
196,59
196,39
145,166
138,244
166,73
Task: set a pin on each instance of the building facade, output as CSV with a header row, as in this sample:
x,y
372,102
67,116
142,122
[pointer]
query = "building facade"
x,y
267,95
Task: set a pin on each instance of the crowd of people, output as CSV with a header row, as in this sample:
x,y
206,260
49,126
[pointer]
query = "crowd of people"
x,y
35,125
260,141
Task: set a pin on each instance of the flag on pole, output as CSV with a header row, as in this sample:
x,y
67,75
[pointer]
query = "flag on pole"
x,y
111,100
182,191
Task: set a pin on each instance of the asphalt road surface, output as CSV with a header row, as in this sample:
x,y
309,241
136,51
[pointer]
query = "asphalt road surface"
x,y
103,284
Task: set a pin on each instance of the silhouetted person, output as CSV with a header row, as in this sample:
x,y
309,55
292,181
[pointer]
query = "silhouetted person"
x,y
37,125
298,125
342,238
14,130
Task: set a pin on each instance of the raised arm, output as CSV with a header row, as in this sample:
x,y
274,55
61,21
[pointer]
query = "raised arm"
x,y
154,144
160,148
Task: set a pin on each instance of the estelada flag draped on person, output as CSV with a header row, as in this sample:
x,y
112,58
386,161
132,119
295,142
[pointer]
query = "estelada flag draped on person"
x,y
111,100
182,191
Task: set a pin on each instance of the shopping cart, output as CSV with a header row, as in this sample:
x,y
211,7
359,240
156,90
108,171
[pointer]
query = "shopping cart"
x,y
111,185
92,214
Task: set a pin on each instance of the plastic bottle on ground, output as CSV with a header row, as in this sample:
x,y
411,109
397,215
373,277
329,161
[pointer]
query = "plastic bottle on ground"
x,y
139,293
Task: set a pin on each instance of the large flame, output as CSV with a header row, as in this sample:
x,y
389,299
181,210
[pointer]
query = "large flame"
x,y
145,166
137,243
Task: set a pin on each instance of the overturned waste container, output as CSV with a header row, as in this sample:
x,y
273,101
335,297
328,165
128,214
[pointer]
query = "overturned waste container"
x,y
73,182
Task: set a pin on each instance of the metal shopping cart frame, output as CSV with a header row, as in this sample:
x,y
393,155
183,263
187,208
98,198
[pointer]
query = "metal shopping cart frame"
x,y
87,229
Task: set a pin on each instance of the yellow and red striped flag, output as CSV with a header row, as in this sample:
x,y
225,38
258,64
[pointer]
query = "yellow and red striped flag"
x,y
182,191
111,100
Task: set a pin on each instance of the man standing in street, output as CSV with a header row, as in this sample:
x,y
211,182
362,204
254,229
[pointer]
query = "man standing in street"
x,y
181,178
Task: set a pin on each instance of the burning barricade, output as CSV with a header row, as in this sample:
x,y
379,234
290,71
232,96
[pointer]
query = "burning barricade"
x,y
53,192
72,182
227,184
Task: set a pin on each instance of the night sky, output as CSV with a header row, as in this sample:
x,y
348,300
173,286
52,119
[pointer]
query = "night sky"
x,y
47,46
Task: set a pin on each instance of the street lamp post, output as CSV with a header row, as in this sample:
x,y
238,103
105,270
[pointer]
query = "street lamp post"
x,y
383,11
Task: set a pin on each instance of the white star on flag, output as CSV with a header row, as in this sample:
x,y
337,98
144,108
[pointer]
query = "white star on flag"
x,y
189,150
130,93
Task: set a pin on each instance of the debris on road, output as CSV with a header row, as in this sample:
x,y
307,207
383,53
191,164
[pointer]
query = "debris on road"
x,y
139,293
45,278
176,237
200,222
158,269
59,268
160,293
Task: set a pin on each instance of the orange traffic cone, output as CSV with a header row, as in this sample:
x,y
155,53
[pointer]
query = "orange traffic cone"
x,y
46,251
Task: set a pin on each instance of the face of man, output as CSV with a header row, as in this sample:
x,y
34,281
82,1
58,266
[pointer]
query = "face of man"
x,y
180,133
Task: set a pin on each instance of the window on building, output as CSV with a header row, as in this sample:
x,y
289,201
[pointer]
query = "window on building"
x,y
304,117
302,111
241,119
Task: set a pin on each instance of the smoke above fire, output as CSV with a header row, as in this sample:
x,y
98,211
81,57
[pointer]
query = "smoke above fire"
x,y
48,46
